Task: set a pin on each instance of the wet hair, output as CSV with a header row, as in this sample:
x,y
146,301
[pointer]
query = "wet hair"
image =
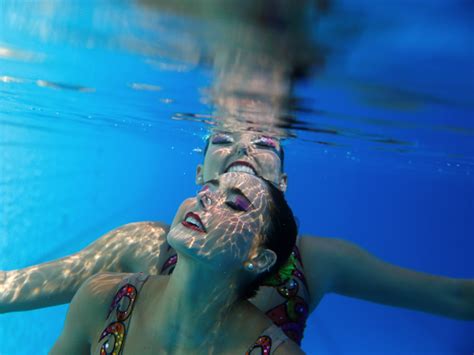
x,y
279,235
282,151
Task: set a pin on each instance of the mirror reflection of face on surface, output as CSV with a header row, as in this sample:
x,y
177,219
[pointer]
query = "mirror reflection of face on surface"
x,y
223,224
247,152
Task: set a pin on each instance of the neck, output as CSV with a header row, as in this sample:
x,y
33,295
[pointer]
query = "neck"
x,y
195,303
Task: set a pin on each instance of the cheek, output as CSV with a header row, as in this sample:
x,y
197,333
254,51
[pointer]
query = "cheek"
x,y
214,160
270,162
185,206
230,241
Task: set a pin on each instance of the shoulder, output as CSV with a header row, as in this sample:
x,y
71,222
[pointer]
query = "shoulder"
x,y
309,241
322,251
322,261
247,324
91,302
86,314
288,348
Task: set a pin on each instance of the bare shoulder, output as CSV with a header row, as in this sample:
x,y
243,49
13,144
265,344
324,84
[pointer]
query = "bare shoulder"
x,y
322,251
289,348
98,287
93,298
322,244
86,314
321,258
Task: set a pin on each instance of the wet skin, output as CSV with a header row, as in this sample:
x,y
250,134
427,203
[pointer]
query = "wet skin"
x,y
243,151
330,265
221,230
222,223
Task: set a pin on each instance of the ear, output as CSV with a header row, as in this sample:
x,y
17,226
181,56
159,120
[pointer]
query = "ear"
x,y
283,182
199,176
264,260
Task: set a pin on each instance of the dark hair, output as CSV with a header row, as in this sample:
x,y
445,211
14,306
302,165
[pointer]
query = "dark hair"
x,y
279,236
282,151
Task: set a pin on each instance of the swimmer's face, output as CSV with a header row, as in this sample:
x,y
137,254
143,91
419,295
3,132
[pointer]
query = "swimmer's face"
x,y
248,152
223,224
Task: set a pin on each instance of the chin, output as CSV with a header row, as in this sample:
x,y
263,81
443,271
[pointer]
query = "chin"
x,y
183,243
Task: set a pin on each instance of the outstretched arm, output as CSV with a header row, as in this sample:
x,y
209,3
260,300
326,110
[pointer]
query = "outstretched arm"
x,y
130,248
346,269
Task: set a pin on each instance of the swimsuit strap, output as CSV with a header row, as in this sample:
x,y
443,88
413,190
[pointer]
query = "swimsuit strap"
x,y
289,282
268,341
112,338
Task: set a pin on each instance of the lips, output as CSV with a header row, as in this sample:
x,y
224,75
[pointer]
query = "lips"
x,y
241,167
192,221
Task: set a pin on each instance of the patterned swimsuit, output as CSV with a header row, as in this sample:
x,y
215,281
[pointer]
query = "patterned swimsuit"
x,y
112,338
284,297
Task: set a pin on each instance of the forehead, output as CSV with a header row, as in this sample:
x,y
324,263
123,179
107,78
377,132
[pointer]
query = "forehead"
x,y
246,135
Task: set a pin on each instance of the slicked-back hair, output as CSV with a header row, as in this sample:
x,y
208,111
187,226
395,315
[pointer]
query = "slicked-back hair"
x,y
279,235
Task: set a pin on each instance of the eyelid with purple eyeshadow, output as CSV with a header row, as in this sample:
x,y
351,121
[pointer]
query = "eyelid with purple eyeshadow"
x,y
242,203
268,141
221,138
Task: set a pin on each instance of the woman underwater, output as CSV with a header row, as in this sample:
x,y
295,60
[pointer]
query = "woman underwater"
x,y
330,265
238,230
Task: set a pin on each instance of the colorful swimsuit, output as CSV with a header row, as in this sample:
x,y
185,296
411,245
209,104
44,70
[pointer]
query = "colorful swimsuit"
x,y
112,339
284,296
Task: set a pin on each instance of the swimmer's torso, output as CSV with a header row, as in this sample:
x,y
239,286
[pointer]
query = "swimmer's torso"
x,y
127,327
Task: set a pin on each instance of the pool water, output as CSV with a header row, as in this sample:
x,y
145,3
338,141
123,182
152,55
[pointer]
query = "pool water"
x,y
102,117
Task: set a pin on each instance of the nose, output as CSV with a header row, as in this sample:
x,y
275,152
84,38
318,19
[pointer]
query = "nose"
x,y
204,199
242,149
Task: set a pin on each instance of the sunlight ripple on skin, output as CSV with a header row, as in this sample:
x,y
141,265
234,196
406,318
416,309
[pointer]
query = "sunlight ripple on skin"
x,y
16,286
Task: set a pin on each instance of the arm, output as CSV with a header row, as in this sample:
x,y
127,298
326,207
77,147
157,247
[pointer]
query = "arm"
x,y
346,269
86,315
130,248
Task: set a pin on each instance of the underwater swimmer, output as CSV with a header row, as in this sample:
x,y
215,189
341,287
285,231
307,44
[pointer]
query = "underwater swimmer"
x,y
238,230
330,265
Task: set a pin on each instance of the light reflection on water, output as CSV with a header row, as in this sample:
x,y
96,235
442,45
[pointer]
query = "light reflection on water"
x,y
339,105
374,85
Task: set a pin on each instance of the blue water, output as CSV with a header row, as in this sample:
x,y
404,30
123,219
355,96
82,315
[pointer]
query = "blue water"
x,y
86,147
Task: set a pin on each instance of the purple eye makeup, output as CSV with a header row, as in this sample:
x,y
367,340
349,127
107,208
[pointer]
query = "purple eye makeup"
x,y
239,203
221,138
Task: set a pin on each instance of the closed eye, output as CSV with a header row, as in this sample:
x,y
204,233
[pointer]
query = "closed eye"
x,y
235,206
267,143
222,138
239,203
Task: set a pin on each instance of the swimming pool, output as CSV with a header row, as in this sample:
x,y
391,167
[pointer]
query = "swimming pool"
x,y
101,123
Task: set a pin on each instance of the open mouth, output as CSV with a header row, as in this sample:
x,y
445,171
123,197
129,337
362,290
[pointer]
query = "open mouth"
x,y
241,167
193,222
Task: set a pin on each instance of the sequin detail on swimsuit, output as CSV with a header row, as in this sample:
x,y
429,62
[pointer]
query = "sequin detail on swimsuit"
x,y
114,335
268,341
264,343
291,315
112,338
168,266
123,302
